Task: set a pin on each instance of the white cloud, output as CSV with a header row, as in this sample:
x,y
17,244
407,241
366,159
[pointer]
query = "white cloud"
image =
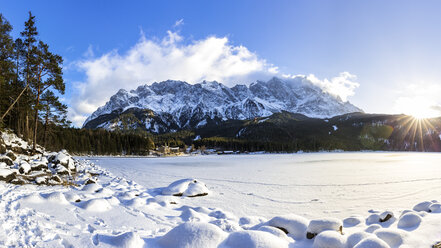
x,y
150,60
178,23
155,60
342,86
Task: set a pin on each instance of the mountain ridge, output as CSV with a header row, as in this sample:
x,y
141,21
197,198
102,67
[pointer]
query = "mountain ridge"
x,y
173,105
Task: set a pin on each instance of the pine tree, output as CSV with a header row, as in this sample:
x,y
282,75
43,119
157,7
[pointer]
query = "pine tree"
x,y
46,70
53,113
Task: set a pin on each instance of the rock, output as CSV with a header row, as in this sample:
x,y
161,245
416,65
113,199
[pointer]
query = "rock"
x,y
56,179
329,239
24,168
11,156
291,224
6,160
41,180
7,175
61,170
409,221
435,208
90,181
186,187
19,181
385,216
37,167
317,226
2,146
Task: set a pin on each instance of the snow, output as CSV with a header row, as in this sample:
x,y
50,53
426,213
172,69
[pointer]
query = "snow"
x,y
329,239
335,127
186,187
252,201
409,221
186,103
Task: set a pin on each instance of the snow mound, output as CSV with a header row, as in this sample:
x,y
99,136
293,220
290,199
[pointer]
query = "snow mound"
x,y
329,239
274,231
251,239
435,208
392,237
124,240
352,221
423,206
292,224
317,226
96,205
186,187
372,228
409,221
34,198
372,242
56,197
193,234
356,237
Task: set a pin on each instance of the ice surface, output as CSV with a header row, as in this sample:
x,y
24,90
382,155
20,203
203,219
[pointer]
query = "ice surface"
x,y
254,201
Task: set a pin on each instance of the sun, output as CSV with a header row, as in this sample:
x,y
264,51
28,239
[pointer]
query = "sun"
x,y
418,107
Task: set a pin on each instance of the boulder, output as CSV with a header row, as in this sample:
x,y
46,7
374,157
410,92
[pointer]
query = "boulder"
x,y
186,187
24,168
7,175
319,225
11,155
291,224
6,160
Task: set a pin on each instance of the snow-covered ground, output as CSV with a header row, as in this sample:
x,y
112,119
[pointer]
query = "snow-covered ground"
x,y
336,199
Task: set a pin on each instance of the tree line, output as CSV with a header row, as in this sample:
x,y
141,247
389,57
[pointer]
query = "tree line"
x,y
31,78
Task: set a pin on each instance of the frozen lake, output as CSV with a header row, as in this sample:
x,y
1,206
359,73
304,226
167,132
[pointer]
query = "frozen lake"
x,y
312,185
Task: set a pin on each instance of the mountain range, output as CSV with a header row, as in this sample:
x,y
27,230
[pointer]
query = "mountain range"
x,y
170,106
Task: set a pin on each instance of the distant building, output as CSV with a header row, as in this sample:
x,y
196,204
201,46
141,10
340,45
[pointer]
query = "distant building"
x,y
168,150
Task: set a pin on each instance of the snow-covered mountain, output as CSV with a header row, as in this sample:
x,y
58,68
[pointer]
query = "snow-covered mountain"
x,y
173,105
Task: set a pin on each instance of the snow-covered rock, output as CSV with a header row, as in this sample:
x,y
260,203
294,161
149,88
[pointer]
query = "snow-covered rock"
x,y
355,238
251,238
186,187
423,206
329,239
292,224
393,238
409,221
173,105
319,225
193,234
24,168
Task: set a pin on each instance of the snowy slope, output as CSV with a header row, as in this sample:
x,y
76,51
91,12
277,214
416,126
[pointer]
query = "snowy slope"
x,y
176,104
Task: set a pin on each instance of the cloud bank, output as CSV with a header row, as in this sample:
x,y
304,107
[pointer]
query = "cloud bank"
x,y
154,60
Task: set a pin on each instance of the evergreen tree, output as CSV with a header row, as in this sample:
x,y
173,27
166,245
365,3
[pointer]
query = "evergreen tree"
x,y
6,65
46,70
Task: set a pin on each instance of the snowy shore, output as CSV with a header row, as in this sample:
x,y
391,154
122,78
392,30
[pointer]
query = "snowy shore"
x,y
116,212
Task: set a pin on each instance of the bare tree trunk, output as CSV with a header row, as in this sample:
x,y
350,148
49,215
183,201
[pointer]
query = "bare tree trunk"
x,y
34,143
45,128
12,105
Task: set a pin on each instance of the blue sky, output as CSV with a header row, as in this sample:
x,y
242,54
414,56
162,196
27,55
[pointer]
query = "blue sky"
x,y
392,47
